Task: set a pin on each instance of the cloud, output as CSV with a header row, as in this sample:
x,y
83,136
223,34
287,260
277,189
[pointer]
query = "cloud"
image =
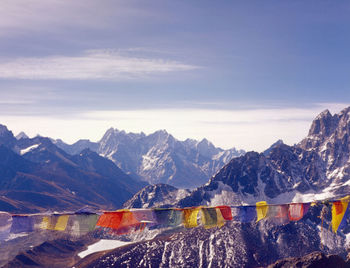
x,y
93,64
249,129
19,96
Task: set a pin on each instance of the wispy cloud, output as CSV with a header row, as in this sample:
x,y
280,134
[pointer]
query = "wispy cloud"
x,y
93,64
28,95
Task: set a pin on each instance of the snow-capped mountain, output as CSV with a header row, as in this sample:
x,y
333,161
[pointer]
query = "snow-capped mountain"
x,y
159,157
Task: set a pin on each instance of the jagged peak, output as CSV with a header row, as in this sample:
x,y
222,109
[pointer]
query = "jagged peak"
x,y
324,124
323,114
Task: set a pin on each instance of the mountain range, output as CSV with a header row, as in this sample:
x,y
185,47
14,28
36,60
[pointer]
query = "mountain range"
x,y
41,173
158,157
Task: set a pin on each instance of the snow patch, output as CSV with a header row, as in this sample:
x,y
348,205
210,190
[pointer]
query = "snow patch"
x,y
101,245
28,149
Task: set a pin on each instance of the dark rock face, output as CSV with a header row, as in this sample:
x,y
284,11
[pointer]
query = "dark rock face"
x,y
312,260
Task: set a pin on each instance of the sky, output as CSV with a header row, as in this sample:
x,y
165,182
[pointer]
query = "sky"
x,y
240,73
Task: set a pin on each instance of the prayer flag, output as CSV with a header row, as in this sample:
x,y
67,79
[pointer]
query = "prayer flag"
x,y
110,219
225,212
245,213
22,224
83,223
209,217
296,211
168,217
212,217
190,217
278,214
122,221
338,210
261,210
145,215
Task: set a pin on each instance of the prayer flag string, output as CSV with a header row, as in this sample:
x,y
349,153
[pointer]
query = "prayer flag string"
x,y
128,221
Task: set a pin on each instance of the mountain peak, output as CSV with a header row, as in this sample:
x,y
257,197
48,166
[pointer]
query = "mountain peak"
x,y
6,136
275,144
22,135
323,114
323,124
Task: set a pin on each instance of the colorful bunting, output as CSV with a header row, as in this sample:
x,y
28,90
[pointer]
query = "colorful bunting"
x,y
126,221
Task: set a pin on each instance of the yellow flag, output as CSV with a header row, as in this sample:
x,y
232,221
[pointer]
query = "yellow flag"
x,y
190,217
61,223
338,211
261,210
